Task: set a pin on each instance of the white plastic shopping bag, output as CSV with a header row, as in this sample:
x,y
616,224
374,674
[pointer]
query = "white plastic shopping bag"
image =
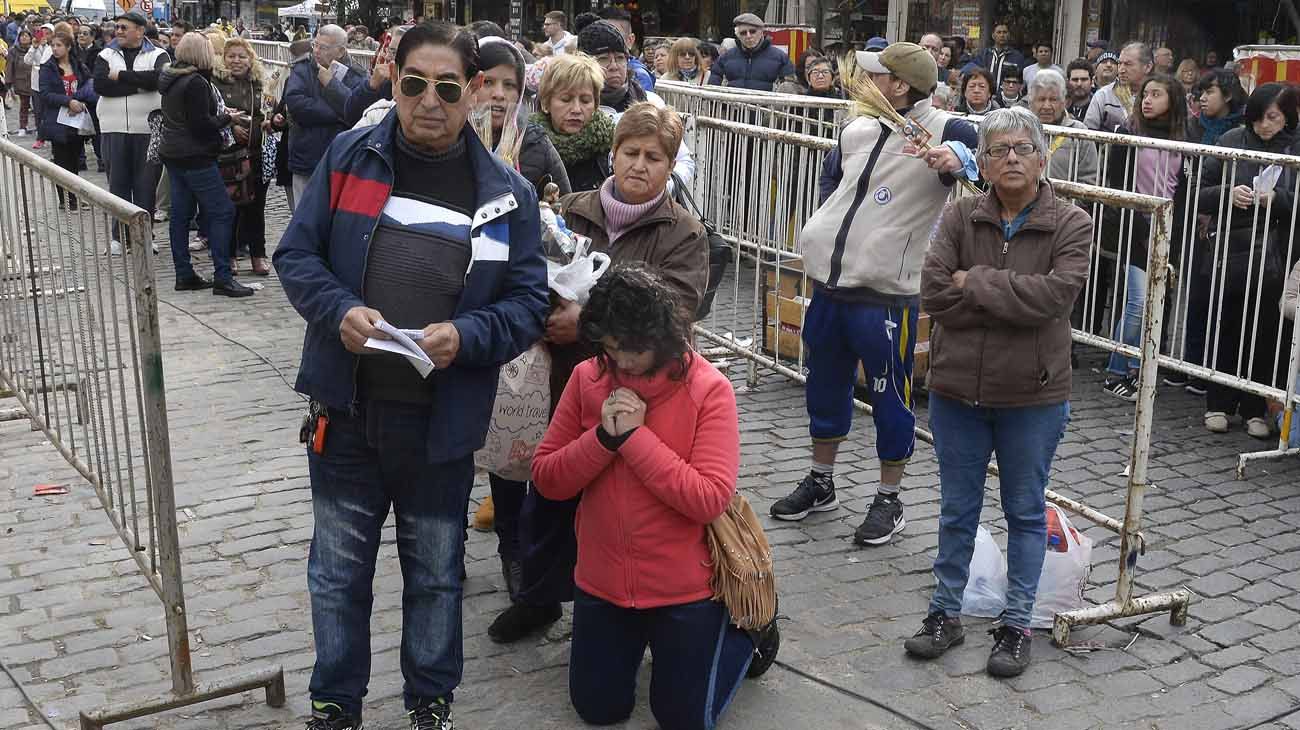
x,y
574,280
519,416
986,586
1066,566
1266,180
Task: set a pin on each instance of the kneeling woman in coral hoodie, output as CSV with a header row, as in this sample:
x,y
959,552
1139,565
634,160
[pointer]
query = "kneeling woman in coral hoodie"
x,y
646,431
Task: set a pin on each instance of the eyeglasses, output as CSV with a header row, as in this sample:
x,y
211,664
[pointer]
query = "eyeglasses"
x,y
415,86
611,61
1022,149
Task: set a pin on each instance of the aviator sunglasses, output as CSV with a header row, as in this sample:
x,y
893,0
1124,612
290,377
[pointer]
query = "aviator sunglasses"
x,y
415,86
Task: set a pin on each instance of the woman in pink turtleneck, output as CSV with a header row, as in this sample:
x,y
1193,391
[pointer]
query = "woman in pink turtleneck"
x,y
646,433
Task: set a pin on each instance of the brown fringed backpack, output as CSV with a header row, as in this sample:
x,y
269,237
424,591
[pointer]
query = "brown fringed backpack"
x,y
742,566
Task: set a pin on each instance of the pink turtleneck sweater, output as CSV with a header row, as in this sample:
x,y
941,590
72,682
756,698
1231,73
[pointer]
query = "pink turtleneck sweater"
x,y
620,216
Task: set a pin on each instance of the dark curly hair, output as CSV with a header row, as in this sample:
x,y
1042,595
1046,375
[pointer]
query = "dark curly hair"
x,y
632,305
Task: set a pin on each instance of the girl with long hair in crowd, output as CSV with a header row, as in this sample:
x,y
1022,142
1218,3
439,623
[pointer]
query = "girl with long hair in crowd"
x,y
502,91
1251,267
568,102
65,84
241,79
1162,114
685,63
647,434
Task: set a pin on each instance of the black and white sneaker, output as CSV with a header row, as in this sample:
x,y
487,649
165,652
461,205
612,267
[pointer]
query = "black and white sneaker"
x,y
1010,657
434,716
1123,388
329,716
938,634
884,520
816,493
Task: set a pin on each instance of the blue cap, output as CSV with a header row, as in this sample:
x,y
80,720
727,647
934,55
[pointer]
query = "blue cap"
x,y
877,44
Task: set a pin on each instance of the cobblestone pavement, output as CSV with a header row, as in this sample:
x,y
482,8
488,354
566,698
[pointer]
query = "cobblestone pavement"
x,y
81,628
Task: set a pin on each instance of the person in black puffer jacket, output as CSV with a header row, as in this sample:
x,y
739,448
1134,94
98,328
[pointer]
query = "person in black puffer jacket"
x,y
754,63
195,130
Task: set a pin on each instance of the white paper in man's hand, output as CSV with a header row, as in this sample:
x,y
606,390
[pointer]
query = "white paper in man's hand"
x,y
403,343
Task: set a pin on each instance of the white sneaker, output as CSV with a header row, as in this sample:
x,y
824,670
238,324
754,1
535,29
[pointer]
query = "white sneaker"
x,y
159,216
1258,428
21,132
154,246
197,245
114,248
1216,422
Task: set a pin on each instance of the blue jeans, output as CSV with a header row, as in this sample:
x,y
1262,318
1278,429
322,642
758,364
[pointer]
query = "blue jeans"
x,y
373,461
1128,327
1025,440
700,659
202,186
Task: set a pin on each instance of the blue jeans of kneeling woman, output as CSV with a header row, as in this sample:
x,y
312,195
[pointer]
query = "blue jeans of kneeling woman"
x,y
1024,440
700,658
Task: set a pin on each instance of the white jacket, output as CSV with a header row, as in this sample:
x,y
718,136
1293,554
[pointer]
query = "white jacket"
x,y
37,56
129,114
874,230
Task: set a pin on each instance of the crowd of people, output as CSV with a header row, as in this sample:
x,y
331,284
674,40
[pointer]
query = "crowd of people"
x,y
407,214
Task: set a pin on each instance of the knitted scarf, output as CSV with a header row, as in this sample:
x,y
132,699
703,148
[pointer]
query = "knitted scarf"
x,y
1212,128
594,139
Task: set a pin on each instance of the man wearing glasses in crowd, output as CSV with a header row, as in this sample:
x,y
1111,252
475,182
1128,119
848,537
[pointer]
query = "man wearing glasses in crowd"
x,y
754,63
413,223
316,95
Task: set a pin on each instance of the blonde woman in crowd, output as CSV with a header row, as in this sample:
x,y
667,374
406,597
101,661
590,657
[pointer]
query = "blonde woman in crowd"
x,y
241,79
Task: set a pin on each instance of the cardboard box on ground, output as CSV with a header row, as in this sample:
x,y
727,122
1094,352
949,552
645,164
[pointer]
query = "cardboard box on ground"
x,y
787,295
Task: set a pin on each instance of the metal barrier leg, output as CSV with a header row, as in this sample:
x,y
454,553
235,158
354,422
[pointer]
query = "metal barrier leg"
x,y
1131,544
271,678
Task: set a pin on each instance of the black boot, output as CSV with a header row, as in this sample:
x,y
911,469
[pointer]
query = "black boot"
x,y
513,573
522,619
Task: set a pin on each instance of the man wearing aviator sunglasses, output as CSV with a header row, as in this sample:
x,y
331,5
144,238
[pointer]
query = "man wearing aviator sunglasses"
x,y
410,223
754,63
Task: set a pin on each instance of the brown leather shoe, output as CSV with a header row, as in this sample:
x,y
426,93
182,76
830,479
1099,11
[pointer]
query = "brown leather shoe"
x,y
261,268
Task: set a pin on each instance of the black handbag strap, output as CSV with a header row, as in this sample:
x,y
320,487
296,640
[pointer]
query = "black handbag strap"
x,y
682,195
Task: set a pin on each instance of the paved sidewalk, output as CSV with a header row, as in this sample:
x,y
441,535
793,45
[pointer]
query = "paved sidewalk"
x,y
80,628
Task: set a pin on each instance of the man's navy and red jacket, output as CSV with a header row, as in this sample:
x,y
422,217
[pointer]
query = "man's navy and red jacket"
x,y
321,262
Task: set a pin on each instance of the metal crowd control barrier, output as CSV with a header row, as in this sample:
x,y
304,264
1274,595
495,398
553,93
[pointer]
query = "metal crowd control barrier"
x,y
81,354
1199,335
768,308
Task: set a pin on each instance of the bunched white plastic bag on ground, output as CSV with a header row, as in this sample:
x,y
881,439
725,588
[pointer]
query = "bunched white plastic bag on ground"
x,y
986,586
1065,574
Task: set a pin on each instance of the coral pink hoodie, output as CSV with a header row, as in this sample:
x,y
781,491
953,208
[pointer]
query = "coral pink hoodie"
x,y
640,525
